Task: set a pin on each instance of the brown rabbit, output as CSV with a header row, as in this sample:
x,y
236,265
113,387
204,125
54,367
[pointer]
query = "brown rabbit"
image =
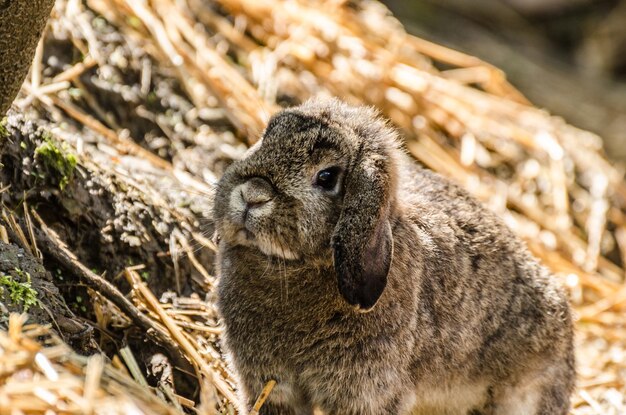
x,y
364,284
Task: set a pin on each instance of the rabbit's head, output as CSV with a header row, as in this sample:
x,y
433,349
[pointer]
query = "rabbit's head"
x,y
320,187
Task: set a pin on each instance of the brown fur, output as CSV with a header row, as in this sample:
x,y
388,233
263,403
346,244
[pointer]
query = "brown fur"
x,y
396,293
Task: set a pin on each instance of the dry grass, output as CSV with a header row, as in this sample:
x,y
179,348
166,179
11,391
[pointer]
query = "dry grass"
x,y
549,181
40,374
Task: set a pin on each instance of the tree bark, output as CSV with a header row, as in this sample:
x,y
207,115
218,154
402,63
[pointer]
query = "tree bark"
x,y
21,25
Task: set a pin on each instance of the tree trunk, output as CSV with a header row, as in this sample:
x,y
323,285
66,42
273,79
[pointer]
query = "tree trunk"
x,y
21,25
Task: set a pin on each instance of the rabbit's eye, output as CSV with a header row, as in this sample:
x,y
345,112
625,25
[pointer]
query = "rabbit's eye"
x,y
327,178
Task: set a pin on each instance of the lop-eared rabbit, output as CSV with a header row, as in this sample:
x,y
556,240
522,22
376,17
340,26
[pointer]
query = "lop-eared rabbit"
x,y
367,285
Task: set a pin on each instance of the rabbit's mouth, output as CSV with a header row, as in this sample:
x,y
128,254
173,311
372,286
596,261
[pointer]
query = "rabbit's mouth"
x,y
265,244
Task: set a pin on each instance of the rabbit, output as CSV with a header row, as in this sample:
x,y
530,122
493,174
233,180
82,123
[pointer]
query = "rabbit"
x,y
365,284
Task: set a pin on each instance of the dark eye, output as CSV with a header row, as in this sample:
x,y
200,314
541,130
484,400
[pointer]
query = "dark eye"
x,y
327,178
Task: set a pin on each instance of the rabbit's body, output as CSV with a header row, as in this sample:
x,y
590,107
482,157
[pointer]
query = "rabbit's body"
x,y
468,322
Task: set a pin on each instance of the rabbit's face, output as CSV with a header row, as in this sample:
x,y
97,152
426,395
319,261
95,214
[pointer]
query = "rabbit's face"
x,y
319,187
285,197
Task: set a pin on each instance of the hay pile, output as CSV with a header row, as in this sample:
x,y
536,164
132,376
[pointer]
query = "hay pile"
x,y
40,373
159,96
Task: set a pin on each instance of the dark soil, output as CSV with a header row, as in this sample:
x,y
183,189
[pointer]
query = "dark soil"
x,y
110,219
106,221
18,267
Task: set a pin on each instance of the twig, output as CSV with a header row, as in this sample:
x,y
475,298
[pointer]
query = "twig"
x,y
93,377
123,144
75,71
267,389
31,233
133,366
36,68
16,230
134,279
52,246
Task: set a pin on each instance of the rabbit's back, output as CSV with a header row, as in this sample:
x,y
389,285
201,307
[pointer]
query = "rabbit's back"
x,y
496,313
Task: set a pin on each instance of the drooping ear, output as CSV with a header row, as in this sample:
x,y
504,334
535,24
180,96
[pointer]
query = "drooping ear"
x,y
362,241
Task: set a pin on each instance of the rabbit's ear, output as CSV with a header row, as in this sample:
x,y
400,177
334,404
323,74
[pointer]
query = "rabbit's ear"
x,y
362,241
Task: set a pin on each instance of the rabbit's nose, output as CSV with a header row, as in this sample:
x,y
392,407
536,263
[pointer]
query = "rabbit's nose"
x,y
256,192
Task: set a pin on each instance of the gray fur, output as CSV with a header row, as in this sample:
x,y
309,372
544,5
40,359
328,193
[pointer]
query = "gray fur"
x,y
468,321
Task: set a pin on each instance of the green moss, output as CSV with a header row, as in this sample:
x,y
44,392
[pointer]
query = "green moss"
x,y
57,159
4,133
20,293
